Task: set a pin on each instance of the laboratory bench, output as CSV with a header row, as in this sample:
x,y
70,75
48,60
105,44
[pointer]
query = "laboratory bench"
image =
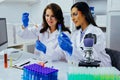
x,y
65,71
11,73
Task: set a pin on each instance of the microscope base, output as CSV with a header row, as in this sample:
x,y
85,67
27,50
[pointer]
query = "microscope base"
x,y
89,64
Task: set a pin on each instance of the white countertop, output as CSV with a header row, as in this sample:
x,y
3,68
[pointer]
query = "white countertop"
x,y
16,74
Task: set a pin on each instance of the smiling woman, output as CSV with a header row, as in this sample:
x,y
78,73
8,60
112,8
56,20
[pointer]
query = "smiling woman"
x,y
46,46
84,23
51,20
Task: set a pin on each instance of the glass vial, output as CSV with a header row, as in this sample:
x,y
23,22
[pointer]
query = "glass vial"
x,y
5,61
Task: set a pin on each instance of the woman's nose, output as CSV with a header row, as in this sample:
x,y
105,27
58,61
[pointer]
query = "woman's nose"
x,y
72,18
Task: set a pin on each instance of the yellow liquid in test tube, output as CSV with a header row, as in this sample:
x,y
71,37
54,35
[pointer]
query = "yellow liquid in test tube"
x,y
10,61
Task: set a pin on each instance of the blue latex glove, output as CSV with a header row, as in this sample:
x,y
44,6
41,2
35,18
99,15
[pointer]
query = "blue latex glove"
x,y
40,46
25,19
65,43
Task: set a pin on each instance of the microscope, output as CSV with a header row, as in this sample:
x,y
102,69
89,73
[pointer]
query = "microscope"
x,y
89,41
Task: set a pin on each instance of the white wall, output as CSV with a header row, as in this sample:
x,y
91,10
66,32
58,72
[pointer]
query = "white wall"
x,y
113,5
37,11
13,11
64,4
100,6
113,19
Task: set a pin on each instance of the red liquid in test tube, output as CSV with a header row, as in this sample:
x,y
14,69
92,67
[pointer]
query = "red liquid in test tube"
x,y
5,61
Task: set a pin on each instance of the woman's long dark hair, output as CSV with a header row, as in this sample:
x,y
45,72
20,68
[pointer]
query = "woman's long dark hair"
x,y
84,8
58,15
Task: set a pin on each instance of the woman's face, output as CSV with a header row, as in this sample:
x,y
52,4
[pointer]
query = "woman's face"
x,y
50,18
77,17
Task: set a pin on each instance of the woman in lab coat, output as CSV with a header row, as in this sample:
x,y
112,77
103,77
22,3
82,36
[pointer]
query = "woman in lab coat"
x,y
84,22
47,44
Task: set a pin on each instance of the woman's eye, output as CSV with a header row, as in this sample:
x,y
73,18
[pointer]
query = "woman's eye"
x,y
47,15
74,14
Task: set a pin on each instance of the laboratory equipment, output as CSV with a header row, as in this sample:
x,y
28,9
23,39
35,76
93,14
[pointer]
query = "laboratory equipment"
x,y
24,64
88,43
65,43
37,72
59,28
5,61
89,61
3,34
93,73
43,63
11,61
12,54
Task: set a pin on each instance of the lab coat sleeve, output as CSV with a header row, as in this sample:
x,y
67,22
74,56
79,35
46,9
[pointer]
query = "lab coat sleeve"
x,y
53,51
29,32
99,50
57,52
51,55
77,53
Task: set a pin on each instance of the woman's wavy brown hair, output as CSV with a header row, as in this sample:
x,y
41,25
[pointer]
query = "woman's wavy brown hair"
x,y
58,15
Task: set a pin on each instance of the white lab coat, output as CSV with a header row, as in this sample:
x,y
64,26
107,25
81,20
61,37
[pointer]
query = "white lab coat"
x,y
98,49
50,40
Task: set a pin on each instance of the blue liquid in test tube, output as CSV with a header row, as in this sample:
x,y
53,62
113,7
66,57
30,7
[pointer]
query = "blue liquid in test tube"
x,y
59,28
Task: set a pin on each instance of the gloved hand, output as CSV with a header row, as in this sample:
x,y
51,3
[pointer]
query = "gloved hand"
x,y
25,19
40,46
65,43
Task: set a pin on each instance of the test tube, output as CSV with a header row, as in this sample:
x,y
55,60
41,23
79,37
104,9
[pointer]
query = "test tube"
x,y
59,28
5,61
10,61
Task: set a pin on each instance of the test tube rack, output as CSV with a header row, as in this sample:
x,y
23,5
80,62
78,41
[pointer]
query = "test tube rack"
x,y
93,73
37,72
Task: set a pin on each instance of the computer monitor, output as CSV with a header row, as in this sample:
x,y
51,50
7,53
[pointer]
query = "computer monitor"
x,y
3,34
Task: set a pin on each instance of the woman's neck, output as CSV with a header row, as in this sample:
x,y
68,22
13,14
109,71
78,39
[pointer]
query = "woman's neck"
x,y
52,29
84,26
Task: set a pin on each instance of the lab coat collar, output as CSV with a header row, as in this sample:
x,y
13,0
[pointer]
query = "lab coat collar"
x,y
83,31
78,39
87,30
56,31
53,35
